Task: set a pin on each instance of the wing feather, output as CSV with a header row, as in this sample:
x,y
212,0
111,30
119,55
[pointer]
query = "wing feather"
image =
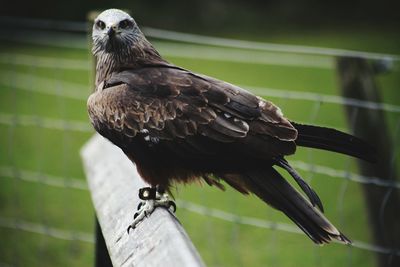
x,y
174,103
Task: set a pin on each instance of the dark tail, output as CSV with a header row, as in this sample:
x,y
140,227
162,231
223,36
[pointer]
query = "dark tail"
x,y
311,194
334,140
273,189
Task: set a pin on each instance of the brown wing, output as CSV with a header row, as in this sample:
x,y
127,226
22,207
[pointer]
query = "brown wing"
x,y
171,104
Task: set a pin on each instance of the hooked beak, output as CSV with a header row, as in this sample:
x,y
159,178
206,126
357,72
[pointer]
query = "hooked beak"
x,y
111,32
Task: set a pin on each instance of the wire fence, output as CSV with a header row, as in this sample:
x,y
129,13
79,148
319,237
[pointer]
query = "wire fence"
x,y
78,184
27,76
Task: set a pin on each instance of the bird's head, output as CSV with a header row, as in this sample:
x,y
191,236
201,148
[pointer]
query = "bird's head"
x,y
114,31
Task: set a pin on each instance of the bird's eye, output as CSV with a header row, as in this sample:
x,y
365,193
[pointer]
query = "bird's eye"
x,y
100,24
125,24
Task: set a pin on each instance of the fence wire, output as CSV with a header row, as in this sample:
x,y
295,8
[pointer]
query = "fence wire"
x,y
24,73
75,183
77,91
201,39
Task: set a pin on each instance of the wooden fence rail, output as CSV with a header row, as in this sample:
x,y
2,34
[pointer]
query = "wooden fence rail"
x,y
159,240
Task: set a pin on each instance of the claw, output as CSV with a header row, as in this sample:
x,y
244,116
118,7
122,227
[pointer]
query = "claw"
x,y
151,199
172,205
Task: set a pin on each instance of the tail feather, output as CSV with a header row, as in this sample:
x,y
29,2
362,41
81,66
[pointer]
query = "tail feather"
x,y
333,140
311,194
273,189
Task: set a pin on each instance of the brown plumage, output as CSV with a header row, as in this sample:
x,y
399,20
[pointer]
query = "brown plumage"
x,y
178,126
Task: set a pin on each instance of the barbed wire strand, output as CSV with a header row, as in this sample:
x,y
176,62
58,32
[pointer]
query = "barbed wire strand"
x,y
79,91
18,224
251,221
48,123
298,164
45,179
76,183
82,27
70,235
182,51
33,83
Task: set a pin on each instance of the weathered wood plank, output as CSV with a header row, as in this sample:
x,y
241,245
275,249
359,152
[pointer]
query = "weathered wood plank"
x,y
159,240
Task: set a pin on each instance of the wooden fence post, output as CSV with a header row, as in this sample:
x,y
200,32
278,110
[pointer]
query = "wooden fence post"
x,y
102,258
357,81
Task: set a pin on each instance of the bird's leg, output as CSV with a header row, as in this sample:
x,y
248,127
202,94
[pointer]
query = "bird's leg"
x,y
151,198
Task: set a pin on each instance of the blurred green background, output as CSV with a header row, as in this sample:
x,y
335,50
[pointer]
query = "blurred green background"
x,y
46,215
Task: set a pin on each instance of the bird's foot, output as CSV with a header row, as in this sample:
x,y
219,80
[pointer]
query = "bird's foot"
x,y
152,197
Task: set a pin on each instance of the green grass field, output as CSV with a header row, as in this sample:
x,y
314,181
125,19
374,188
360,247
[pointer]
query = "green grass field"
x,y
55,152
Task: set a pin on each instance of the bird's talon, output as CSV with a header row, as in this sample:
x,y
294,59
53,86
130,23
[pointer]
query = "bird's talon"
x,y
172,206
151,199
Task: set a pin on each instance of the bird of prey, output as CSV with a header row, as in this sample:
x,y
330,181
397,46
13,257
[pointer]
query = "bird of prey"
x,y
178,127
